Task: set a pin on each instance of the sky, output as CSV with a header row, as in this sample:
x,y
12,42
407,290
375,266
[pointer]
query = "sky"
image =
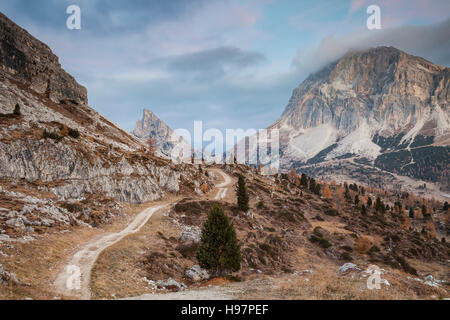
x,y
232,64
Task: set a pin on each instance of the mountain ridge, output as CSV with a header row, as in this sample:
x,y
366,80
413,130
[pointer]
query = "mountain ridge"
x,y
365,104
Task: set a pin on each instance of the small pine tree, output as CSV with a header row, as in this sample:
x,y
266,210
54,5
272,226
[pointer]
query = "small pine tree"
x,y
411,213
446,206
347,194
304,180
379,206
363,210
369,202
17,110
326,192
312,185
317,189
242,195
356,200
219,251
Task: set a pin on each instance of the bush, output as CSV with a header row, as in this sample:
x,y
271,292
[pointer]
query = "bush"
x,y
346,256
332,212
187,250
219,251
363,244
74,133
52,135
17,110
324,243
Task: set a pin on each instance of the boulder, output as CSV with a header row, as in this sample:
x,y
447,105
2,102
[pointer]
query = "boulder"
x,y
348,266
196,273
170,284
15,223
191,233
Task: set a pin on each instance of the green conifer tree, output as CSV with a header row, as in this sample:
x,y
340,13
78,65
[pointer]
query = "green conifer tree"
x,y
219,251
363,210
242,195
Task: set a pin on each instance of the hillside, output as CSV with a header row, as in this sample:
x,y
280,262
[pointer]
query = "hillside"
x,y
373,116
76,190
62,163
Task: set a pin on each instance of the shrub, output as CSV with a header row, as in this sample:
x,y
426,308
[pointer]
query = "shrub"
x,y
64,131
219,250
74,133
17,110
204,187
187,250
52,135
363,210
331,212
324,243
363,244
346,256
379,205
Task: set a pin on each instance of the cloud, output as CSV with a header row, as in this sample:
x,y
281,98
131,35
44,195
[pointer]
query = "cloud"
x,y
355,5
214,63
431,42
222,61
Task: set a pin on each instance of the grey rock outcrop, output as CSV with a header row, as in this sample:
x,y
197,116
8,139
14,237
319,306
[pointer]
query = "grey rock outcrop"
x,y
73,165
170,284
31,62
382,106
196,273
152,127
191,233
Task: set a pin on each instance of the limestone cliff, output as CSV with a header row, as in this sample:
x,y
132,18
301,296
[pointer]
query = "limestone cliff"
x,y
60,161
382,107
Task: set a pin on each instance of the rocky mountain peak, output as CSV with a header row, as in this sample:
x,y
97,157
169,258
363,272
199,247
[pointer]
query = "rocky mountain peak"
x,y
366,105
382,86
27,60
151,126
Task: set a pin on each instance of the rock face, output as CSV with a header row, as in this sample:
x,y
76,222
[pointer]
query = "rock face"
x,y
191,233
152,127
381,107
60,161
29,61
196,273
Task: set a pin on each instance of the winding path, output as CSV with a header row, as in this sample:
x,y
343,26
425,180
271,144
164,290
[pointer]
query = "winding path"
x,y
222,192
74,278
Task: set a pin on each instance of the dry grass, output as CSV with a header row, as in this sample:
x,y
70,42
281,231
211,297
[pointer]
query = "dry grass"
x,y
118,273
326,284
38,262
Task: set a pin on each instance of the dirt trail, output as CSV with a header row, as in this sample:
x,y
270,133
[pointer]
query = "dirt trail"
x,y
74,278
213,293
223,186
